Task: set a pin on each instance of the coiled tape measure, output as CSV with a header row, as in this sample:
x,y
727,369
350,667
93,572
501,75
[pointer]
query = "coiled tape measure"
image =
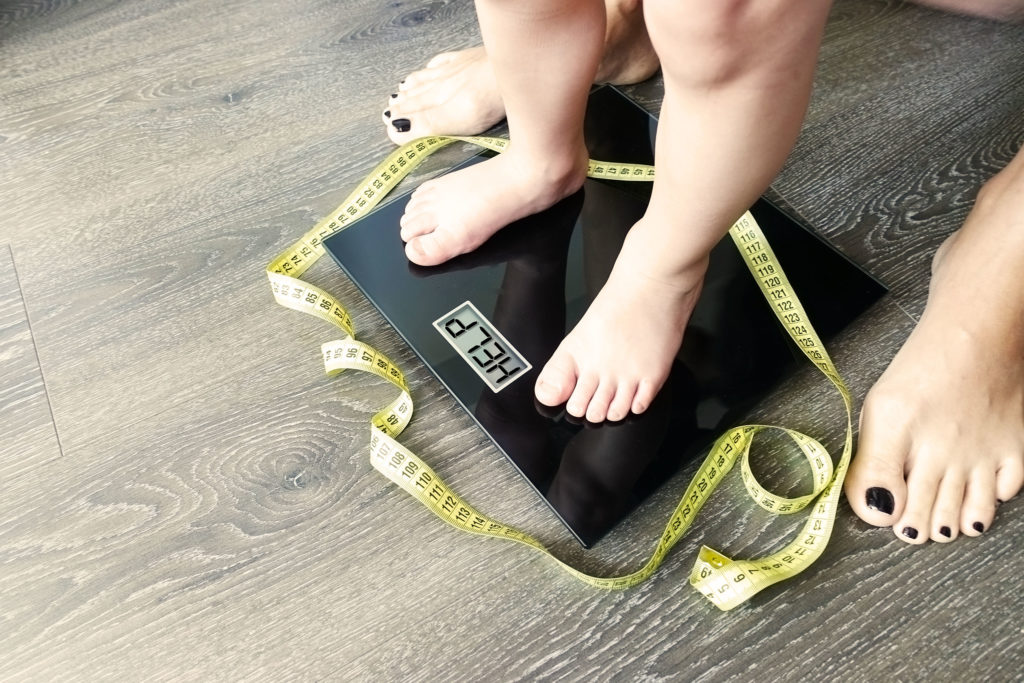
x,y
725,582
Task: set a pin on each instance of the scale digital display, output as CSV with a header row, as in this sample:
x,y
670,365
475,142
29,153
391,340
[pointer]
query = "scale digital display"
x,y
482,346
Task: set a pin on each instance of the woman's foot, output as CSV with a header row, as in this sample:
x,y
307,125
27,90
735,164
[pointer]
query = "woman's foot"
x,y
457,93
456,213
942,431
618,356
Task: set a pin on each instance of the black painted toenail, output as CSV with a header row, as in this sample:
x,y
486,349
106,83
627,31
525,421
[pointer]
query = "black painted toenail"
x,y
402,125
910,532
387,113
880,499
978,526
402,82
945,531
394,95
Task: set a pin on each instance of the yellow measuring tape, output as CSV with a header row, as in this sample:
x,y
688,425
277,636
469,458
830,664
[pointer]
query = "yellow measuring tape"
x,y
727,583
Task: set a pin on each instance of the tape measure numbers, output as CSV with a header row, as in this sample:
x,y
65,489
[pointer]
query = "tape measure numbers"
x,y
725,582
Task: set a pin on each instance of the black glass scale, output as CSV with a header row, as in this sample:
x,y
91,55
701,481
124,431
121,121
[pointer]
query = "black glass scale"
x,y
485,323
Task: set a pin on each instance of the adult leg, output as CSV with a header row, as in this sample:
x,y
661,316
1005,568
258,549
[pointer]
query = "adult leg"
x,y
737,80
942,431
1001,10
457,93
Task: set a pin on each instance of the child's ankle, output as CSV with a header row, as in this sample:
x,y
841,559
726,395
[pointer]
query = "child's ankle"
x,y
563,169
663,255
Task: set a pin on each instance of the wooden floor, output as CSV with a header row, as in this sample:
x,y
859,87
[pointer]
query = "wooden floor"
x,y
185,496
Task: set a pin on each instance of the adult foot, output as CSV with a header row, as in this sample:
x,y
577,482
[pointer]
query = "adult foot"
x,y
457,93
942,432
456,213
618,356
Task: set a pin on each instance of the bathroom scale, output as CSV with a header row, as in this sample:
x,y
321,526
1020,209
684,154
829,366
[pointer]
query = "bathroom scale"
x,y
485,323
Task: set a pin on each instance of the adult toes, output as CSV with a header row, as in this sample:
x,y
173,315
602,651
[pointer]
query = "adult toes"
x,y
914,525
1010,477
945,518
415,80
442,58
402,129
875,485
557,380
979,502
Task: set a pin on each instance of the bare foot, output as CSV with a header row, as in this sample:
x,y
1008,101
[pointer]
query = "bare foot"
x,y
619,355
456,213
457,94
942,432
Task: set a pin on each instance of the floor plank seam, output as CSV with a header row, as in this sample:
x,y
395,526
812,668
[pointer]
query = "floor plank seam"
x,y
35,348
907,313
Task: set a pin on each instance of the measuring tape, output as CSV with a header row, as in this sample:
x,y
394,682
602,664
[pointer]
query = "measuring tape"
x,y
725,582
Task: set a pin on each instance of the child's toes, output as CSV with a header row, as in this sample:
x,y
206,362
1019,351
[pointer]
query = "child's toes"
x,y
557,380
597,411
623,401
645,392
416,224
431,248
579,401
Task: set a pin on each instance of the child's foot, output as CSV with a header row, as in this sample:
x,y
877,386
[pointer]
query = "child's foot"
x,y
942,432
619,355
456,213
457,94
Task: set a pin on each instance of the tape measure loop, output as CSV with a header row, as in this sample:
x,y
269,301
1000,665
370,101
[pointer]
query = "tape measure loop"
x,y
817,458
725,582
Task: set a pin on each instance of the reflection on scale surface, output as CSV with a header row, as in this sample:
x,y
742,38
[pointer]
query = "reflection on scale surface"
x,y
533,281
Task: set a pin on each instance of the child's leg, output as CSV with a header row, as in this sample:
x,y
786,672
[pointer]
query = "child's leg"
x,y
942,431
544,54
737,80
456,94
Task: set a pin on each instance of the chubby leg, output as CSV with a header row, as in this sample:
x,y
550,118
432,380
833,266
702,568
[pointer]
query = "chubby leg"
x,y
942,431
457,93
737,79
544,54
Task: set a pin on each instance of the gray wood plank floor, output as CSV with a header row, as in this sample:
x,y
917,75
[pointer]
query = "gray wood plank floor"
x,y
29,437
214,515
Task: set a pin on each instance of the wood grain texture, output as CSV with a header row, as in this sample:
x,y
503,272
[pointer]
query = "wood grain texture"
x,y
27,432
215,516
